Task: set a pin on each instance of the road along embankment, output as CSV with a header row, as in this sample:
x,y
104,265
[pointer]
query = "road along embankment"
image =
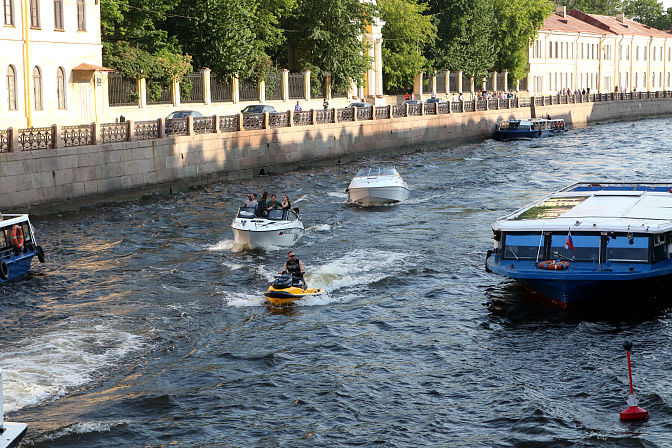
x,y
49,180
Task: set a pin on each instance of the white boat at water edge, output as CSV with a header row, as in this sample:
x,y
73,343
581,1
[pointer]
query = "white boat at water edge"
x,y
282,227
10,433
375,186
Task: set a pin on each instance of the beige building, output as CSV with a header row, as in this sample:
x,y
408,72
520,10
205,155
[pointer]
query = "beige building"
x,y
579,51
51,56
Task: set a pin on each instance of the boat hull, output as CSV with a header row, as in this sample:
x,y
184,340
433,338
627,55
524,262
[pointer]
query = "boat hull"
x,y
505,135
378,195
583,282
18,266
285,296
13,434
254,239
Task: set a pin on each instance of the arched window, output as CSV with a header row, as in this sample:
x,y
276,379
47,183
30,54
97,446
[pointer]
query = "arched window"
x,y
644,86
60,87
37,87
653,79
11,88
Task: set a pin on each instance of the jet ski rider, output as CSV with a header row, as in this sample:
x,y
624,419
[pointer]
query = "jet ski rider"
x,y
295,267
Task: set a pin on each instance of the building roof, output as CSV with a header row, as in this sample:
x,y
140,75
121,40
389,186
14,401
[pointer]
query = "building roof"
x,y
84,67
579,22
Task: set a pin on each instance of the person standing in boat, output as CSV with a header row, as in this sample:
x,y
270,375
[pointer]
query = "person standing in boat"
x,y
273,204
251,201
285,202
261,205
295,267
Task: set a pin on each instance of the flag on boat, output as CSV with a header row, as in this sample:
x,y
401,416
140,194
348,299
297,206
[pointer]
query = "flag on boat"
x,y
569,244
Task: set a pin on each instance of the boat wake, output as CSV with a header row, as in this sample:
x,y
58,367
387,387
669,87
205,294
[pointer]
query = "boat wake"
x,y
45,367
80,428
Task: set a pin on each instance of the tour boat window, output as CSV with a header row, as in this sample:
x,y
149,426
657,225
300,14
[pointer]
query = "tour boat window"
x,y
628,247
522,246
586,246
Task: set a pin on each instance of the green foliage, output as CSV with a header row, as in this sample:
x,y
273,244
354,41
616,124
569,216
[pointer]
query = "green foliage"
x,y
602,7
133,62
648,12
325,37
518,22
406,35
465,30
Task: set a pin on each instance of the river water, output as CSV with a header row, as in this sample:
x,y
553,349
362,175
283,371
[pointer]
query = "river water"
x,y
148,328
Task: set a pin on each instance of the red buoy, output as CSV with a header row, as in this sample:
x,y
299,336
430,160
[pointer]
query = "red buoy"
x,y
633,412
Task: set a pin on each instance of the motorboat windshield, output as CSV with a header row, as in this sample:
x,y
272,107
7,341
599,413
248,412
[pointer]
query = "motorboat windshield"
x,y
378,171
282,215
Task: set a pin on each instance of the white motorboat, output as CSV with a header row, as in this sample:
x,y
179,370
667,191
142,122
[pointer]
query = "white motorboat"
x,y
279,228
374,186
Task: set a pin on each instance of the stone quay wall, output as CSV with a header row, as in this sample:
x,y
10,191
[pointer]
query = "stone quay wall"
x,y
49,180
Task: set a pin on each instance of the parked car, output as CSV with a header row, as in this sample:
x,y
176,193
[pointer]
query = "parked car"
x,y
184,114
435,100
359,104
259,109
412,102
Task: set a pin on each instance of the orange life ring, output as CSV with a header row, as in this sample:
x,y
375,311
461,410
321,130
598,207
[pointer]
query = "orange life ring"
x,y
17,236
556,265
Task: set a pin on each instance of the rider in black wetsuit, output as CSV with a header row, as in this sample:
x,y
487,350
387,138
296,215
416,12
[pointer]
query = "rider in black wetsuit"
x,y
295,267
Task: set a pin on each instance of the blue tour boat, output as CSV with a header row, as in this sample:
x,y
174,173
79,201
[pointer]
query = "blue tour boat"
x,y
588,241
17,246
532,128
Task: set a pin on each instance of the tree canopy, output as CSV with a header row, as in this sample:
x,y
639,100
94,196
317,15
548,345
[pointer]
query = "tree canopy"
x,y
159,39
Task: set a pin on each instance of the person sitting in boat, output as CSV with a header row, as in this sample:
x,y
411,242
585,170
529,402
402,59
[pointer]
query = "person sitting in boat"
x,y
273,204
295,267
251,201
285,202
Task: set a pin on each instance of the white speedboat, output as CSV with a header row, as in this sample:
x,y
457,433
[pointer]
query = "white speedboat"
x,y
374,186
279,228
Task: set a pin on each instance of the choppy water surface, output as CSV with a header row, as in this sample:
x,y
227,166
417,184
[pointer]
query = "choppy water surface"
x,y
148,328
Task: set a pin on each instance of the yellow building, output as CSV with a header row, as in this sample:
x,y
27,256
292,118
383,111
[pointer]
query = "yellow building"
x,y
574,50
51,56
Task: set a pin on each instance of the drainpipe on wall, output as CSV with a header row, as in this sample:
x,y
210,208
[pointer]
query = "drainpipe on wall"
x,y
26,64
648,64
576,61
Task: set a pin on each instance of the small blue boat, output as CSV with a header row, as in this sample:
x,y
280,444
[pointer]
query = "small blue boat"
x,y
17,246
524,129
588,241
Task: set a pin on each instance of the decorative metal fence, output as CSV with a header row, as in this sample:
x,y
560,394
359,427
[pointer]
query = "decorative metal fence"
x,y
4,140
441,82
489,84
296,87
466,83
80,135
122,91
249,90
453,82
191,88
274,87
426,84
220,91
501,78
158,94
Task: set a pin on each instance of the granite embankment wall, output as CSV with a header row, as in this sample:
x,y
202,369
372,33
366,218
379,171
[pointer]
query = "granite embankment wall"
x,y
48,180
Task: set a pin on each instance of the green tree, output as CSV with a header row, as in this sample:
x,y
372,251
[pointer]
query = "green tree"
x,y
325,36
648,12
465,36
406,34
602,7
517,24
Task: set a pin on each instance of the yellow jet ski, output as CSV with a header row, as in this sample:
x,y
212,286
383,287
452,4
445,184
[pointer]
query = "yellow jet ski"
x,y
286,289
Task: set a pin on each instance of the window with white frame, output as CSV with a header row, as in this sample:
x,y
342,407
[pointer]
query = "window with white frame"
x,y
11,88
9,12
58,15
37,87
60,87
81,18
34,13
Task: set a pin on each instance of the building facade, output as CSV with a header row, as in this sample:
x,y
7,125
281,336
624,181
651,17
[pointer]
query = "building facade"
x,y
50,58
578,51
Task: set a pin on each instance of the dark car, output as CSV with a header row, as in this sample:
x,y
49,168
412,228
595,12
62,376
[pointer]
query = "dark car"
x,y
359,104
412,102
435,100
184,114
259,109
